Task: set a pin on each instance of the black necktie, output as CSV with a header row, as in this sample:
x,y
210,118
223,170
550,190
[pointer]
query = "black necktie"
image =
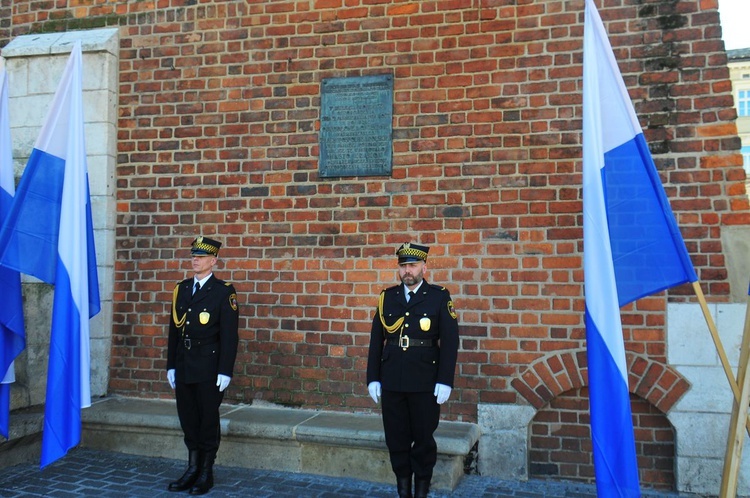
x,y
197,287
411,295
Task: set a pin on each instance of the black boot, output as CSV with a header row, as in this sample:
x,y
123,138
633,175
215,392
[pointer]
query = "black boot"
x,y
206,477
191,474
421,487
403,484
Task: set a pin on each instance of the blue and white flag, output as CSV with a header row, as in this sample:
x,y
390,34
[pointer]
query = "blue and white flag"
x,y
12,337
632,248
49,234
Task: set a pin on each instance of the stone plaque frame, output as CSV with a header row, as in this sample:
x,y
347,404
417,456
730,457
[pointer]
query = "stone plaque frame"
x,y
356,126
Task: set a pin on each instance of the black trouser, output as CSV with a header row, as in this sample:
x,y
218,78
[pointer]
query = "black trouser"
x,y
198,410
409,421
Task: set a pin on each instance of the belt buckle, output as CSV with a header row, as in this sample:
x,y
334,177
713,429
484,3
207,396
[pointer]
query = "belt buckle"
x,y
187,343
403,342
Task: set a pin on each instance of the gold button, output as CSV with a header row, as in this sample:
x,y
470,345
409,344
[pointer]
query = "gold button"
x,y
406,325
407,313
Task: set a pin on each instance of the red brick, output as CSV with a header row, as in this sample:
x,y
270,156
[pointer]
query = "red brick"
x,y
486,169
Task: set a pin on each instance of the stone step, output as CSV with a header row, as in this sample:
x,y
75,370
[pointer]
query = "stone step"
x,y
264,436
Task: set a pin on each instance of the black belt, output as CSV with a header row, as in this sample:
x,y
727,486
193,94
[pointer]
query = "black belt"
x,y
409,342
189,342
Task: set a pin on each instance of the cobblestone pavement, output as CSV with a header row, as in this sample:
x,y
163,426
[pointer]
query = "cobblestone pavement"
x,y
86,472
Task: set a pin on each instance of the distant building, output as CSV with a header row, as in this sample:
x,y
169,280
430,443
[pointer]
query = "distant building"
x,y
739,73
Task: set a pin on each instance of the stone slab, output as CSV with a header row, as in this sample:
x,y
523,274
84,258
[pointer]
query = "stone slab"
x,y
335,444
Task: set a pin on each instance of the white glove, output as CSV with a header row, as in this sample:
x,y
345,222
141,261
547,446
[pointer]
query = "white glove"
x,y
374,389
222,382
442,392
170,377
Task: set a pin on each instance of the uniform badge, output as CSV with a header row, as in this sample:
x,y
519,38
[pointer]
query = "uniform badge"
x,y
452,310
424,324
203,317
233,301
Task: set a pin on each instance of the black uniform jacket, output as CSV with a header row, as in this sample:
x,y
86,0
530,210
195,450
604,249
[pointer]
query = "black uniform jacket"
x,y
429,315
205,345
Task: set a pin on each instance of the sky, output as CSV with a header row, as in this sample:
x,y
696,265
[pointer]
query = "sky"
x,y
735,23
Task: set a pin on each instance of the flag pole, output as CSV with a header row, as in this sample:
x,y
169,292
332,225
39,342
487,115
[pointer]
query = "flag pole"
x,y
736,437
719,348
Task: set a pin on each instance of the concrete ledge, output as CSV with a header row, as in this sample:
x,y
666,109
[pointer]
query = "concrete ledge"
x,y
275,438
24,443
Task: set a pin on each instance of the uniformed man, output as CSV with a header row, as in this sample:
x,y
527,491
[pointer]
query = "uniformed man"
x,y
412,358
200,358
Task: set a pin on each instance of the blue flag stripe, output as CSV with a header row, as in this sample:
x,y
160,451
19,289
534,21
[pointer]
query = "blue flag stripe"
x,y
62,430
29,238
647,249
616,471
12,335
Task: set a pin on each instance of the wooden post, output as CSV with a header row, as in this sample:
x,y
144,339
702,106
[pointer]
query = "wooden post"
x,y
719,348
736,438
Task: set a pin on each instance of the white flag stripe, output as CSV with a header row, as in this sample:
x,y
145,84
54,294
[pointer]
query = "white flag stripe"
x,y
613,95
53,137
599,273
72,242
7,182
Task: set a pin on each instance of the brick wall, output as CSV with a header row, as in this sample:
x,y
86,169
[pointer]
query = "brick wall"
x,y
219,115
561,441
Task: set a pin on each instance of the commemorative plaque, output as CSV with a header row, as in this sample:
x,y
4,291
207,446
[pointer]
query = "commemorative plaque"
x,y
356,126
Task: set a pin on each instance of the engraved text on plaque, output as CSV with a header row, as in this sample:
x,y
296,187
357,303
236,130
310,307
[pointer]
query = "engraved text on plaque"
x,y
355,126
